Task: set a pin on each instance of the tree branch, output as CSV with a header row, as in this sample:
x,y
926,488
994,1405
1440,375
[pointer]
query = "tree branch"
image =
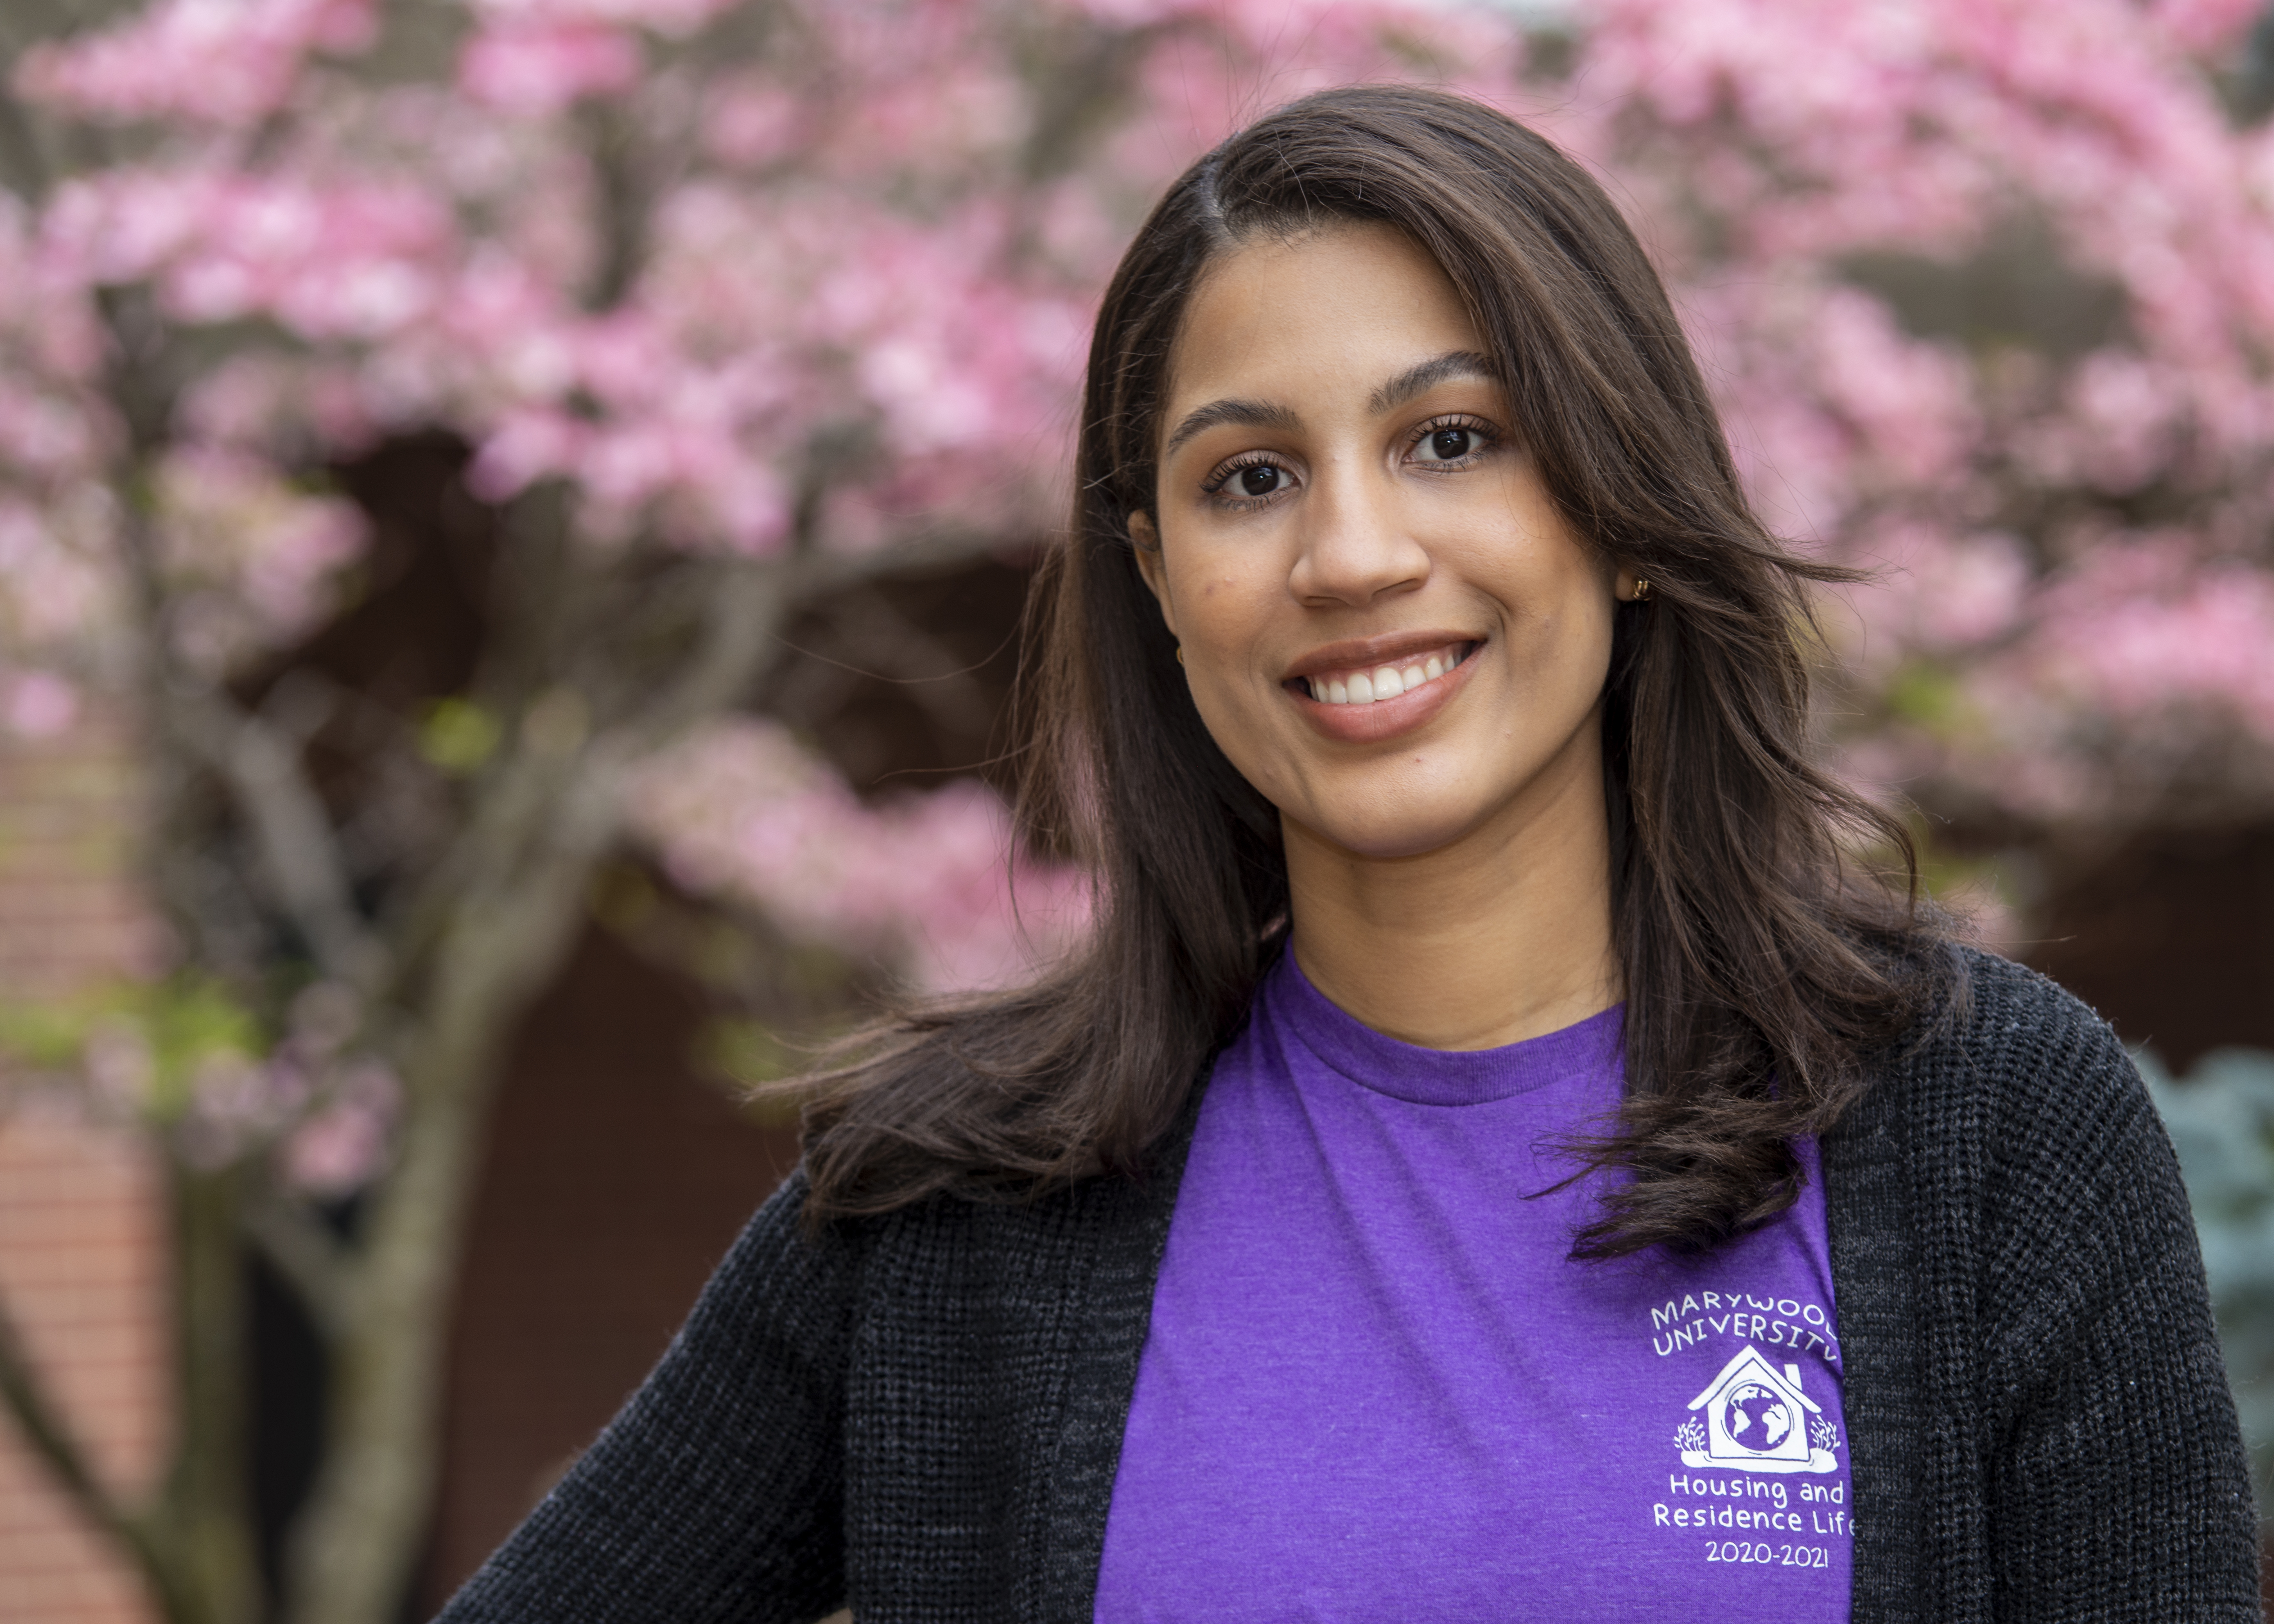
x,y
252,756
23,162
50,1438
878,634
746,610
44,1429
291,827
624,194
818,573
305,1252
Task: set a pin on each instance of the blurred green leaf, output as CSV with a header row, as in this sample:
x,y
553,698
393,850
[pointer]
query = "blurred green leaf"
x,y
186,1022
1927,695
744,1056
458,736
746,1052
179,1024
46,1034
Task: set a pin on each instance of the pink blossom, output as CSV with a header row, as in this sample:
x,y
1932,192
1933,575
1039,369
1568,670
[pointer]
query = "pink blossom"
x,y
253,557
531,72
234,1101
524,448
2206,25
341,1145
2136,629
2124,427
286,408
120,228
57,591
926,883
328,257
1935,592
755,124
224,62
673,18
38,704
1907,402
329,261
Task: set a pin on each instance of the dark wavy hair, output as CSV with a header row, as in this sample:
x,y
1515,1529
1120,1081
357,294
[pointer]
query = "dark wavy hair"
x,y
1763,966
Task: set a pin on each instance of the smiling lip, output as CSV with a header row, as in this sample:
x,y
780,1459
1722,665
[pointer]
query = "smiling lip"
x,y
1340,687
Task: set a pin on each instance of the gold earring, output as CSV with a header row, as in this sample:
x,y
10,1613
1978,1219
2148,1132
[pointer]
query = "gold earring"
x,y
1180,654
1642,590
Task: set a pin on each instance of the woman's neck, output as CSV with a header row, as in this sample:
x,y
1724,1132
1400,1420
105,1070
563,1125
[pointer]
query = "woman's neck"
x,y
1501,936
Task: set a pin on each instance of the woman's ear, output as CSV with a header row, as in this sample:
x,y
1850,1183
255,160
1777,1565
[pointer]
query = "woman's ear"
x,y
1146,540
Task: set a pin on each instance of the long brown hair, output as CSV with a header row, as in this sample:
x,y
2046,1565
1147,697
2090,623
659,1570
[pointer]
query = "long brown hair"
x,y
1762,968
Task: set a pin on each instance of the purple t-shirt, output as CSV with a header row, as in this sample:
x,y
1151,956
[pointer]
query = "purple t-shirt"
x,y
1375,1387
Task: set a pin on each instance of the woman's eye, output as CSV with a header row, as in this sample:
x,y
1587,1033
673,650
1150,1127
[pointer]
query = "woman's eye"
x,y
1447,445
1249,482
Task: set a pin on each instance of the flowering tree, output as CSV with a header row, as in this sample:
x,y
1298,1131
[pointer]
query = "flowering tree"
x,y
738,306
1987,291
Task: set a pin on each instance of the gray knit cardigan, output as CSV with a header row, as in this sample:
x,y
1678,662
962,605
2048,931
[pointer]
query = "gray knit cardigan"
x,y
919,1415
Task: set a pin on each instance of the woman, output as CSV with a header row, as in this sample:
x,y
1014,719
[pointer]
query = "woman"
x,y
1497,1159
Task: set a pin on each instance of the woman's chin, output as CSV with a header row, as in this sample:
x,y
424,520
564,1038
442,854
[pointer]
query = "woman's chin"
x,y
1387,837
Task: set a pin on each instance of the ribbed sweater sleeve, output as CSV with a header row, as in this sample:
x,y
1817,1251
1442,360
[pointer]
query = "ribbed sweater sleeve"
x,y
716,1493
2040,1420
2117,1478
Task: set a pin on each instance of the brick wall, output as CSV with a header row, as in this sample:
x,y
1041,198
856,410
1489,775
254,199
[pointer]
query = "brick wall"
x,y
78,1254
78,1228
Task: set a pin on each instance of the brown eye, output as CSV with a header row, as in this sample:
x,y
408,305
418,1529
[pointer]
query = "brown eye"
x,y
1454,442
1262,479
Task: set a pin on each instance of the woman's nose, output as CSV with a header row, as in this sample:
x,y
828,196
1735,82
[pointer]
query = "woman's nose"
x,y
1355,545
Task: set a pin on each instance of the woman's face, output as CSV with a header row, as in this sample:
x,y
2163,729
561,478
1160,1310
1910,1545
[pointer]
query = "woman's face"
x,y
1386,625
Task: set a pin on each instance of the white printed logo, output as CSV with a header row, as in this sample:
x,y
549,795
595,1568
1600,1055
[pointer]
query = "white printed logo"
x,y
1758,1419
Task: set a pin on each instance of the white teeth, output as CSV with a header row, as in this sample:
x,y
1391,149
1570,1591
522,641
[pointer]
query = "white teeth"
x,y
1363,688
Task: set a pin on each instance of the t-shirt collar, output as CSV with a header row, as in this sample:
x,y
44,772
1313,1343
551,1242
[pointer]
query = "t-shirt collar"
x,y
1422,1076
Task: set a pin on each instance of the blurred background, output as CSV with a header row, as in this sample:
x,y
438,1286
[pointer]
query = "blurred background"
x,y
514,515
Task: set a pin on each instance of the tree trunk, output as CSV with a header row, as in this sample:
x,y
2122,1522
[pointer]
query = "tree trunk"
x,y
355,1544
513,894
202,1525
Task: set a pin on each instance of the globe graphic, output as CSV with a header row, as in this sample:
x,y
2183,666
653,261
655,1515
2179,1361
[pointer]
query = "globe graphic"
x,y
1756,1418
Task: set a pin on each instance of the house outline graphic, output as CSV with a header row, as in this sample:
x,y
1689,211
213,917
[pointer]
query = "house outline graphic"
x,y
1792,1453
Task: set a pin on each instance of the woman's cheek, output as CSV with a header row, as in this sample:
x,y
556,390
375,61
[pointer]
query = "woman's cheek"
x,y
1240,731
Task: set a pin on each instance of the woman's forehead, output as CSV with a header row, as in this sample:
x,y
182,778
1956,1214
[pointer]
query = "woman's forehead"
x,y
1355,310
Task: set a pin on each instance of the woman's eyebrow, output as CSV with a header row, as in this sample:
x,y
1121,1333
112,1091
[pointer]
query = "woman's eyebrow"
x,y
1248,414
1419,379
1414,381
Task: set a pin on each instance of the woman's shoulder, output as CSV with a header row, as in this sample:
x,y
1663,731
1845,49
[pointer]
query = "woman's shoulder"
x,y
969,1244
2006,1035
2012,1095
2003,1168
